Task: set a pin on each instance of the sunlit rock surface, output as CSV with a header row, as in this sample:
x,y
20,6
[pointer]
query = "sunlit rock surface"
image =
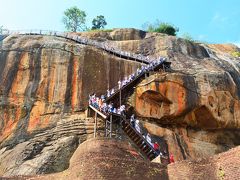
x,y
43,77
45,82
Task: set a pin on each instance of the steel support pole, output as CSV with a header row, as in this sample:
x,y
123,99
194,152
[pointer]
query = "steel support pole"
x,y
120,93
106,133
120,97
111,126
95,125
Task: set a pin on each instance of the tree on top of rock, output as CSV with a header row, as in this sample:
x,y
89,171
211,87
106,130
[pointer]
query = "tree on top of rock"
x,y
99,22
74,19
167,28
161,27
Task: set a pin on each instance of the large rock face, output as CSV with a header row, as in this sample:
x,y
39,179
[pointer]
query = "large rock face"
x,y
113,159
43,77
207,100
197,101
222,166
115,35
48,151
107,159
194,106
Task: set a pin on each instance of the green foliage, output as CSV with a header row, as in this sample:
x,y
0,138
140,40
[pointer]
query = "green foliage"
x,y
236,54
221,173
187,37
99,22
74,19
161,27
167,29
100,30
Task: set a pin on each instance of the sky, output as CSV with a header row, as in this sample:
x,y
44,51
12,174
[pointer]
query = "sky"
x,y
213,21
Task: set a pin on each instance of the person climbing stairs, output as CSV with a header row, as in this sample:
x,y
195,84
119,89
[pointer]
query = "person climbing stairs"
x,y
110,115
145,147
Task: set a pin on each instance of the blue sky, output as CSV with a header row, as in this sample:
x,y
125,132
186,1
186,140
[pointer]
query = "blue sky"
x,y
215,21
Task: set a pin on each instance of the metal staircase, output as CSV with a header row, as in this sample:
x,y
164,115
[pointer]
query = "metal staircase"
x,y
82,40
128,86
139,140
145,147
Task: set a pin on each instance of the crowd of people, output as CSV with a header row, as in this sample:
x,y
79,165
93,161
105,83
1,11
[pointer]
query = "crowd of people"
x,y
154,145
136,124
100,102
102,106
133,76
105,46
84,40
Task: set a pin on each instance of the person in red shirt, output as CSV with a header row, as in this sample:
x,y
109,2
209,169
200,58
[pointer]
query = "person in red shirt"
x,y
155,146
171,158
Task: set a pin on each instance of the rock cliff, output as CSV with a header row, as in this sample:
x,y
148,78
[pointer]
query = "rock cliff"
x,y
113,159
43,77
45,82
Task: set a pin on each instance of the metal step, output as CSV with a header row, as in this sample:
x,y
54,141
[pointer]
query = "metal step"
x,y
137,138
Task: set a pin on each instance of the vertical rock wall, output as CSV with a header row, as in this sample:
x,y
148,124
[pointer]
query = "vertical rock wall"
x,y
42,77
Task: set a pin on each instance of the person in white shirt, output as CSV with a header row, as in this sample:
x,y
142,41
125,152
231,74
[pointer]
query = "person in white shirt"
x,y
119,84
137,126
118,111
129,78
126,80
108,93
103,97
104,107
122,110
138,71
133,76
149,140
132,120
110,107
112,91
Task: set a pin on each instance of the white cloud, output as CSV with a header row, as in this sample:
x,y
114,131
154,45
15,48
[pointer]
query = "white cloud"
x,y
202,37
218,18
237,44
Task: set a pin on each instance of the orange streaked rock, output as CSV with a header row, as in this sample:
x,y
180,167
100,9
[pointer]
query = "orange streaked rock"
x,y
160,99
194,104
75,88
48,76
35,116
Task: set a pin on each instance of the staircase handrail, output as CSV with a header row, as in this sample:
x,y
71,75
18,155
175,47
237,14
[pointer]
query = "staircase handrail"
x,y
107,115
116,88
126,121
81,40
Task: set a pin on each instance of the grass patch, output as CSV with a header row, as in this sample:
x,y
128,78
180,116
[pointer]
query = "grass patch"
x,y
221,173
187,38
100,30
236,54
